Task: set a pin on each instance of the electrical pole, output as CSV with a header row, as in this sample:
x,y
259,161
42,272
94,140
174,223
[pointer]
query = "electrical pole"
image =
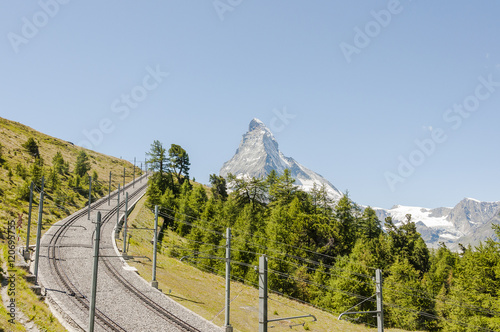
x,y
227,324
124,180
133,183
109,190
154,283
118,209
94,272
39,232
263,293
90,196
124,252
380,304
27,251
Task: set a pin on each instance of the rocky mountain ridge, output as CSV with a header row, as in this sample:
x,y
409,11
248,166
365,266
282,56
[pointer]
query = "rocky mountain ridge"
x,y
468,222
258,154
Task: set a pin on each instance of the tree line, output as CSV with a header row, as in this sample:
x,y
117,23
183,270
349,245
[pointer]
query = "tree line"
x,y
324,252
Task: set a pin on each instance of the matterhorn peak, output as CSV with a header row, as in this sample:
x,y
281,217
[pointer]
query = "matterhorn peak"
x,y
259,154
256,123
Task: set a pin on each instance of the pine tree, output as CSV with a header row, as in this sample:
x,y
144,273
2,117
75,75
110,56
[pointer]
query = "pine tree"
x,y
403,293
157,158
58,163
179,163
475,287
82,165
32,147
320,200
405,242
282,189
54,181
251,191
153,193
185,213
369,224
347,225
219,188
36,171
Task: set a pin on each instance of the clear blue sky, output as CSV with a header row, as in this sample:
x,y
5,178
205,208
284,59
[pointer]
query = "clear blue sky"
x,y
360,100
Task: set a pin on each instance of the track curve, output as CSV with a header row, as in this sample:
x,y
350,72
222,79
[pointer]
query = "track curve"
x,y
125,302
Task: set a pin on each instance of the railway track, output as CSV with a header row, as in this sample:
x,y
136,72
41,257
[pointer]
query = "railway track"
x,y
106,322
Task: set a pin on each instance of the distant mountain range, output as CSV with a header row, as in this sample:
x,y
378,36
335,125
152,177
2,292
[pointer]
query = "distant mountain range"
x,y
469,222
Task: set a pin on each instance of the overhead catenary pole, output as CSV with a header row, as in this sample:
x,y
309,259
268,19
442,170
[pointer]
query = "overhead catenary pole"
x,y
39,232
380,304
379,301
90,196
124,252
263,293
154,283
133,183
124,180
94,272
227,323
27,251
109,190
118,208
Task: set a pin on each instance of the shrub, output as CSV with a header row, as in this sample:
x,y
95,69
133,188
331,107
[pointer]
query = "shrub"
x,y
23,191
32,147
21,171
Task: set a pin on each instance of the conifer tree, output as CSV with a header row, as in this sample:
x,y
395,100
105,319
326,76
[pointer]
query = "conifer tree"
x,y
82,165
251,191
36,171
404,292
32,147
179,163
219,188
58,163
157,158
347,225
54,181
369,224
282,189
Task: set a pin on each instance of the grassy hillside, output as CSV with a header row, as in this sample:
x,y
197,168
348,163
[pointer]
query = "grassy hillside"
x,y
65,194
16,165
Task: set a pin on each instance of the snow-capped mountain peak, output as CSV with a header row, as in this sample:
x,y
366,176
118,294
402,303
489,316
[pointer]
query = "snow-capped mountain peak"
x,y
468,222
259,153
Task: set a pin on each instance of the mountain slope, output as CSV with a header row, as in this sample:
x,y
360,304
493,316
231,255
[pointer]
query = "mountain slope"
x,y
259,153
15,172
